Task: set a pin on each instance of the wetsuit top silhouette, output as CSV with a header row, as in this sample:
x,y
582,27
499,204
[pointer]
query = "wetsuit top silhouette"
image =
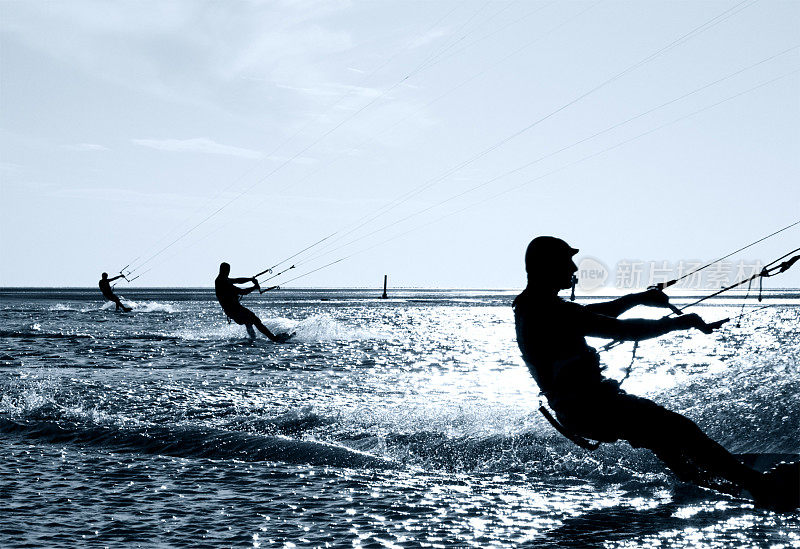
x,y
228,296
105,288
551,336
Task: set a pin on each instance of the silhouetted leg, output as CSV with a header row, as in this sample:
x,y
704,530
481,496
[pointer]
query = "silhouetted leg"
x,y
119,305
676,462
264,330
250,319
250,331
708,452
680,444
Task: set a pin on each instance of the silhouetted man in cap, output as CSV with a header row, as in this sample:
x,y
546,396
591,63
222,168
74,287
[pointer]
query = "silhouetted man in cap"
x,y
105,287
551,335
229,295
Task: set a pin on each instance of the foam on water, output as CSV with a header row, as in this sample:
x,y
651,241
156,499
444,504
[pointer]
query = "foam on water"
x,y
137,306
67,307
322,327
223,331
144,306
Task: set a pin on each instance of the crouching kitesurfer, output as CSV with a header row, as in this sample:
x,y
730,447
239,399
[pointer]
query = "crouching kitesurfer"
x,y
551,335
229,295
105,288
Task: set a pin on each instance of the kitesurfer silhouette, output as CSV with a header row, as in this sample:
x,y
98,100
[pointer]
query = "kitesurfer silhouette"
x,y
105,287
228,296
551,335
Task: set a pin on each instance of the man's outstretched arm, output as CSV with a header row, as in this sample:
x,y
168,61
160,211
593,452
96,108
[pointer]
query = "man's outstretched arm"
x,y
116,277
637,329
245,291
614,308
242,280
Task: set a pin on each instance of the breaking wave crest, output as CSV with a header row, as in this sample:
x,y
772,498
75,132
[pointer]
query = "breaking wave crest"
x,y
194,442
323,327
293,437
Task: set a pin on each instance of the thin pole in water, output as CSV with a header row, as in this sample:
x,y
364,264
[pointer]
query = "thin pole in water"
x,y
385,279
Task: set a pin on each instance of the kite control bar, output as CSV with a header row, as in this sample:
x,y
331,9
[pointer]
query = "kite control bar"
x,y
255,281
273,276
125,275
265,271
660,286
268,289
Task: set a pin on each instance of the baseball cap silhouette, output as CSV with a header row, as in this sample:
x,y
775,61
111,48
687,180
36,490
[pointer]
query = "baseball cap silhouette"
x,y
546,248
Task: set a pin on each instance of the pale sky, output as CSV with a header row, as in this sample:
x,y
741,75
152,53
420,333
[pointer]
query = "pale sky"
x,y
653,131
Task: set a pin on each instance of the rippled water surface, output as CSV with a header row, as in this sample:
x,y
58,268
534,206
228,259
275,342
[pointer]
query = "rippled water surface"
x,y
384,423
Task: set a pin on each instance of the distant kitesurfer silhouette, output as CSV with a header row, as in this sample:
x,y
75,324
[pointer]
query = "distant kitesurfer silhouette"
x,y
551,335
229,295
105,287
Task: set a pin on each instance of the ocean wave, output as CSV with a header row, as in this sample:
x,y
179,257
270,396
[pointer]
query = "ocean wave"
x,y
37,333
35,415
193,442
292,423
542,455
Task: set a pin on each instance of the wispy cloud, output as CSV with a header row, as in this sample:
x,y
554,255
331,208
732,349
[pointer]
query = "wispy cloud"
x,y
197,145
183,51
86,147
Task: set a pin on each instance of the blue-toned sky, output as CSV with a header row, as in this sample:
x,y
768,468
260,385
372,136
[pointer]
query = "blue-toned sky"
x,y
641,131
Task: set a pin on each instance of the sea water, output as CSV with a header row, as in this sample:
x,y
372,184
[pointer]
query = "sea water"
x,y
406,422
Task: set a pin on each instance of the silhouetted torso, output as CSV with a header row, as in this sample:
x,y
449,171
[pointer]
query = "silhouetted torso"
x,y
105,288
551,335
228,296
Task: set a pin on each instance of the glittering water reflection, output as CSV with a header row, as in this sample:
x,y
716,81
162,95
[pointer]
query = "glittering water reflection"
x,y
385,424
